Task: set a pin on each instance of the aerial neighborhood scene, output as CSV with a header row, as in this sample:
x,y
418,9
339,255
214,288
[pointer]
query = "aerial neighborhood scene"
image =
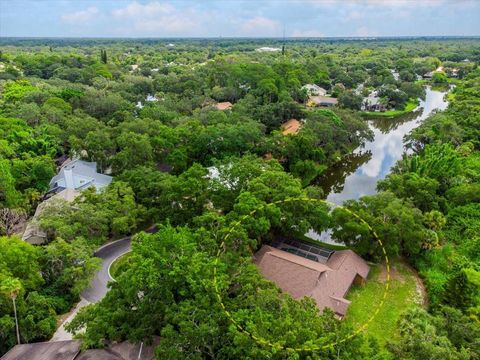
x,y
295,179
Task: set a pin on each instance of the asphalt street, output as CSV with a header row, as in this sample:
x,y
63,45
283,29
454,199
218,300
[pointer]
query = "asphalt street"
x,y
108,253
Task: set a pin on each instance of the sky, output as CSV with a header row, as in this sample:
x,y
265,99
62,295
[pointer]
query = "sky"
x,y
233,18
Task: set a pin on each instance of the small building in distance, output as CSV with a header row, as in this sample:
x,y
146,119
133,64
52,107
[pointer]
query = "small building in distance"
x,y
314,90
267,49
78,175
290,127
428,75
323,101
302,269
373,103
227,105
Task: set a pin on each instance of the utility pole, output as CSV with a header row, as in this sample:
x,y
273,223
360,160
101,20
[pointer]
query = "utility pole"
x,y
283,45
14,296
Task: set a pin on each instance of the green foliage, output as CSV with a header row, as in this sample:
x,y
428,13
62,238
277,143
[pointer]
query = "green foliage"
x,y
422,337
398,224
16,90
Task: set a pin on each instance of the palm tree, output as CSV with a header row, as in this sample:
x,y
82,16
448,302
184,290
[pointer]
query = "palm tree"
x,y
11,287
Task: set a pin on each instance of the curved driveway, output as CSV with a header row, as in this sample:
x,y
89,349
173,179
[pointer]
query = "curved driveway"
x,y
98,286
108,253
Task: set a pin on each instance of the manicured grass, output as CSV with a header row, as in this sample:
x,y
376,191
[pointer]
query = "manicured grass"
x,y
409,107
401,296
119,265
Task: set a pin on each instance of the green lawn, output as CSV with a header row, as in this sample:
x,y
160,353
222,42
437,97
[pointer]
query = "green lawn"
x,y
119,265
401,296
409,107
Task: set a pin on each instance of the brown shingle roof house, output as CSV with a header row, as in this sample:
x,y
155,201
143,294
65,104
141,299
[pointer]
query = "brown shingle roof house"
x,y
292,126
327,280
70,350
227,105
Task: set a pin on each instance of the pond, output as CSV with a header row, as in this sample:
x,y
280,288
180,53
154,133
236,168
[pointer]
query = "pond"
x,y
357,175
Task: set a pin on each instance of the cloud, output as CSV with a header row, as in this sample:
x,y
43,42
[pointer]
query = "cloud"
x,y
401,3
160,19
80,17
307,33
137,10
366,32
355,15
261,26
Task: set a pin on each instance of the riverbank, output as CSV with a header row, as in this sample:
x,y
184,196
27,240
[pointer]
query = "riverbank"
x,y
410,106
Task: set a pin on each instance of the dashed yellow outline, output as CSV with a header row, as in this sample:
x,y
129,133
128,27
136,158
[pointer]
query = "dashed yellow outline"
x,y
311,348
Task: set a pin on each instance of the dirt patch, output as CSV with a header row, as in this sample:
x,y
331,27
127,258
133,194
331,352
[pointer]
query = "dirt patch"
x,y
421,290
421,296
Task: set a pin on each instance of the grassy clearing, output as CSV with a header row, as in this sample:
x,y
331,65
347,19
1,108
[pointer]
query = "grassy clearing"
x,y
119,265
402,295
409,107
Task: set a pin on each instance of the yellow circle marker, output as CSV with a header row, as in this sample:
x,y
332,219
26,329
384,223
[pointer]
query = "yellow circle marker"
x,y
309,348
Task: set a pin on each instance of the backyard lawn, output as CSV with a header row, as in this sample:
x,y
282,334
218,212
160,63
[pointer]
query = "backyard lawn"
x,y
404,293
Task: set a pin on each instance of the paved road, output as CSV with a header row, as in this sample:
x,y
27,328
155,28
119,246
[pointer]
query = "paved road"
x,y
98,287
108,253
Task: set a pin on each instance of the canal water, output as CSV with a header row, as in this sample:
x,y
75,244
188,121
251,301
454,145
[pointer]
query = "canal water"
x,y
357,174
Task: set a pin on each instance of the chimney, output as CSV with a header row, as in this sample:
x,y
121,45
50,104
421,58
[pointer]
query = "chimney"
x,y
69,184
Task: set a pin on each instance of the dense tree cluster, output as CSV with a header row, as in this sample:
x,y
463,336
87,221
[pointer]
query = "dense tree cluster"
x,y
211,179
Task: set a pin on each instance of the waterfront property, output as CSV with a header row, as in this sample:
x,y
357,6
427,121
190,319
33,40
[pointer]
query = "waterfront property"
x,y
304,270
373,103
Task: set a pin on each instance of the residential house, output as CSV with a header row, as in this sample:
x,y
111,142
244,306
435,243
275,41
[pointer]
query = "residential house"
x,y
292,126
314,90
78,175
373,103
324,101
73,177
227,105
71,350
428,75
302,270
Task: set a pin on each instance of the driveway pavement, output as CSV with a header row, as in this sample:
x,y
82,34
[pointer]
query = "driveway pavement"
x,y
98,287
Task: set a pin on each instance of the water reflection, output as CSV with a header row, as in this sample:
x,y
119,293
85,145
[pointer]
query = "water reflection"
x,y
358,174
333,179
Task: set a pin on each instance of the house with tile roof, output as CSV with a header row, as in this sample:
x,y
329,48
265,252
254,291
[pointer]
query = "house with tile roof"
x,y
304,270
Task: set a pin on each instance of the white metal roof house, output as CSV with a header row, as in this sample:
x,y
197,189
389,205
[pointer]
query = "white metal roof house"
x,y
78,175
314,90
